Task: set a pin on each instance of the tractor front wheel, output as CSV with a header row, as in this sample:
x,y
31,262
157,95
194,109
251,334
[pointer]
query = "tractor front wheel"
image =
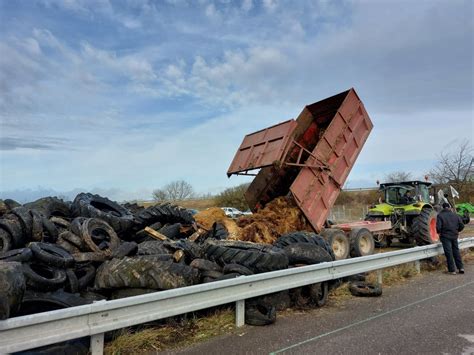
x,y
424,227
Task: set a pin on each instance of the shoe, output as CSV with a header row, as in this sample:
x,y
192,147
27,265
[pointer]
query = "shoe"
x,y
461,271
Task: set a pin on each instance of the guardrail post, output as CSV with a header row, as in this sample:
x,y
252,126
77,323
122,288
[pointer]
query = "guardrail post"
x,y
418,266
379,276
97,344
240,313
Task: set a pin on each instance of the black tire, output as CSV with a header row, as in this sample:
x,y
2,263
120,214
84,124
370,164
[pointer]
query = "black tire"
x,y
72,283
338,242
152,247
164,213
38,302
50,254
423,227
68,246
361,242
172,231
125,249
99,236
50,206
85,275
21,255
11,204
281,300
466,218
363,289
12,289
43,277
142,273
211,274
236,268
37,226
306,253
319,293
304,237
90,256
259,313
95,206
73,239
11,224
50,232
256,257
219,231
205,265
60,223
26,220
5,241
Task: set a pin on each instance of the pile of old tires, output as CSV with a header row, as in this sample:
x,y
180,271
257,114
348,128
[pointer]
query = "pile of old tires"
x,y
56,254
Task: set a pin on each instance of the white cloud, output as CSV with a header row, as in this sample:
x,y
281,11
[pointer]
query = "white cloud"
x,y
247,5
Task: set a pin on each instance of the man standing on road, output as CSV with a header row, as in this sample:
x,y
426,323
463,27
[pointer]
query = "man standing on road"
x,y
448,226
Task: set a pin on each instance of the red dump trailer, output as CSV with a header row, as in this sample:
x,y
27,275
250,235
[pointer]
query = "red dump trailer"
x,y
309,157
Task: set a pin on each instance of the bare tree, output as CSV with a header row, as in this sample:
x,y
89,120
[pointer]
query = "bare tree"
x,y
174,191
455,167
398,176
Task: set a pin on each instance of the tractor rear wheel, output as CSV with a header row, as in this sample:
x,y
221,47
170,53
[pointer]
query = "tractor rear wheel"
x,y
424,227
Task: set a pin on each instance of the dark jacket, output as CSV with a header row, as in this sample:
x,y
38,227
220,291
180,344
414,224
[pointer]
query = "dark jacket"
x,y
448,224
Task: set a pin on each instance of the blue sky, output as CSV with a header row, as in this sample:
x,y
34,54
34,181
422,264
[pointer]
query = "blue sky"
x,y
121,97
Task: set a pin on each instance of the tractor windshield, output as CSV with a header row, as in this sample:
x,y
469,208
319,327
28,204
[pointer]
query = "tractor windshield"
x,y
424,193
399,195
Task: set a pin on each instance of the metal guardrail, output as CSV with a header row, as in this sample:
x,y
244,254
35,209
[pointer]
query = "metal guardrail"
x,y
31,331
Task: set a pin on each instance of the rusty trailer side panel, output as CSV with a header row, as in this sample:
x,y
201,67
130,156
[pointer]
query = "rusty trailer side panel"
x,y
315,190
262,148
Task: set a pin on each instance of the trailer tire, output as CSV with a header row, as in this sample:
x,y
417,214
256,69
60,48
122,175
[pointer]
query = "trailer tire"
x,y
338,242
362,242
363,289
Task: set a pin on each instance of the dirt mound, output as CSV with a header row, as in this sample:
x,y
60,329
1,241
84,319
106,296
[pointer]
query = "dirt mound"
x,y
265,226
216,215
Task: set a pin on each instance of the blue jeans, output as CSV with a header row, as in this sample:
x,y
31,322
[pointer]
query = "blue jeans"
x,y
451,251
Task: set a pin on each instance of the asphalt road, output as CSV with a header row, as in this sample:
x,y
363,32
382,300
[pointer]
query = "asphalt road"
x,y
429,314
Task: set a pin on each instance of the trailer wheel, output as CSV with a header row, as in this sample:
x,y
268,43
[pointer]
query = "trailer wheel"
x,y
338,241
362,242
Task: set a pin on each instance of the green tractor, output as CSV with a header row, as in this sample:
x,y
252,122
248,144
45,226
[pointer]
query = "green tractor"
x,y
407,205
464,210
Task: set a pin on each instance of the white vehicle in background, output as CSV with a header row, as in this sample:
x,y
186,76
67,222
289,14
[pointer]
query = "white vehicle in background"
x,y
232,212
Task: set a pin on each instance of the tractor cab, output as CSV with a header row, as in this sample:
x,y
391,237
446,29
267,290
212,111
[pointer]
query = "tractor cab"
x,y
406,193
407,206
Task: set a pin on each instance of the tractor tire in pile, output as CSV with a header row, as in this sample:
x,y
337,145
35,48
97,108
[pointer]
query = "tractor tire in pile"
x,y
424,227
49,207
306,253
12,289
304,237
256,257
362,242
164,213
338,242
139,272
95,206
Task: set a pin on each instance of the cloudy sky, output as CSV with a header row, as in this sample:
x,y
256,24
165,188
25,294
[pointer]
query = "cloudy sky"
x,y
121,97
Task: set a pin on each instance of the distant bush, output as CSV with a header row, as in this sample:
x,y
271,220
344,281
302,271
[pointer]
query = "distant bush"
x,y
233,197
